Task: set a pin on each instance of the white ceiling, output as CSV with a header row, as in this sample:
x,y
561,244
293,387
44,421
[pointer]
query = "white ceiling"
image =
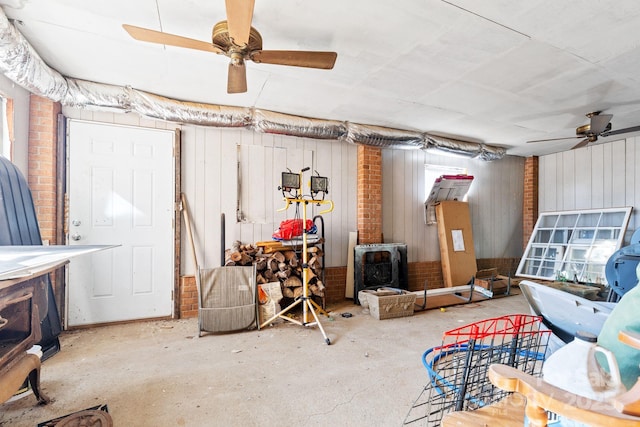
x,y
499,72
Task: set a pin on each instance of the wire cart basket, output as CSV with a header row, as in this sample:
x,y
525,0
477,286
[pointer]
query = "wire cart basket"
x,y
458,368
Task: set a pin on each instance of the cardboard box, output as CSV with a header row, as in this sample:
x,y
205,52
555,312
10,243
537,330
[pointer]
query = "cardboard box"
x,y
455,236
490,280
386,303
499,284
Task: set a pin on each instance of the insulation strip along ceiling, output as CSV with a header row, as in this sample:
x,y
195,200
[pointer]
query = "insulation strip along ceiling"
x,y
21,63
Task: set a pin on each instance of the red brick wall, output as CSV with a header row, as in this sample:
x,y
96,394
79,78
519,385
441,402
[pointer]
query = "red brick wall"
x,y
426,271
369,195
41,176
505,266
530,199
335,280
188,297
418,272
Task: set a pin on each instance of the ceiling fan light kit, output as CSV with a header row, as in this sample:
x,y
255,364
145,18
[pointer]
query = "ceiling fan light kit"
x,y
238,40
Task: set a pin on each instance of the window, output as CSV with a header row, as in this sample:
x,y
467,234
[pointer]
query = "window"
x,y
6,107
574,245
431,173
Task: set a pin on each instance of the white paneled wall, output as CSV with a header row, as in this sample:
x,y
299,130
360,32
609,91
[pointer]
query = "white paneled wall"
x,y
210,184
600,176
495,202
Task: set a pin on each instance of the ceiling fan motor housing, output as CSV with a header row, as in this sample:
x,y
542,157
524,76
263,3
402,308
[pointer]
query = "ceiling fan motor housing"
x,y
220,38
585,131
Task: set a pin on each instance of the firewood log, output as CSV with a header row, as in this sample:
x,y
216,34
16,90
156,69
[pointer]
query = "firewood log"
x,y
260,262
292,282
260,280
315,290
315,250
278,256
297,292
245,259
227,258
314,263
268,274
249,250
294,262
287,292
283,274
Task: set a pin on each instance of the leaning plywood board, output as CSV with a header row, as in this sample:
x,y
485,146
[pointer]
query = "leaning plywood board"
x,y
456,243
353,241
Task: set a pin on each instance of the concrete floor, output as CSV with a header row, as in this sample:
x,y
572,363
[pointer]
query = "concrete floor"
x,y
159,373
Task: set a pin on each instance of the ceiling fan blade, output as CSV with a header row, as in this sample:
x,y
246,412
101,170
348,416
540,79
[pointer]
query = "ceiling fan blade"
x,y
554,139
619,131
237,78
599,123
239,17
152,36
296,58
581,144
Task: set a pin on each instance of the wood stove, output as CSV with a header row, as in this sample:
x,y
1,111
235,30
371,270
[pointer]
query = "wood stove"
x,y
379,265
23,305
18,227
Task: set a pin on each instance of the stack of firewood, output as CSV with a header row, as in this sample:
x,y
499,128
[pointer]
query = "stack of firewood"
x,y
276,262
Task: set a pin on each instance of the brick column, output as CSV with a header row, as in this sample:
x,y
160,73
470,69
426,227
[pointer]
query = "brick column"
x,y
369,209
530,199
41,176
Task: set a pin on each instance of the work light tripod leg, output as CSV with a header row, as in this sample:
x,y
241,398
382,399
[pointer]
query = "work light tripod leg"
x,y
317,322
282,316
320,309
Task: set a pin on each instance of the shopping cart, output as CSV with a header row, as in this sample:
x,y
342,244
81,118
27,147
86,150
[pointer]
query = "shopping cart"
x,y
458,368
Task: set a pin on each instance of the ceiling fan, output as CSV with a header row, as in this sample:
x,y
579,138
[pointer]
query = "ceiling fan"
x,y
599,125
238,40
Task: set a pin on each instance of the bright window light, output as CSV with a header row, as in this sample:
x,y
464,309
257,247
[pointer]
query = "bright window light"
x,y
5,140
432,172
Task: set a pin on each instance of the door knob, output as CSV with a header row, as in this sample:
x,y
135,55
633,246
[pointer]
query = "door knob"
x,y
76,237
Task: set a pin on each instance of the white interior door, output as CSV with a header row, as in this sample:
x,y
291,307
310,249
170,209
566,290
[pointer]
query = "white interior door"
x,y
121,191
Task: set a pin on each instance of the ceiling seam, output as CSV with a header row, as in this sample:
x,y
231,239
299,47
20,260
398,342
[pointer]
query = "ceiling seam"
x,y
486,19
159,18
